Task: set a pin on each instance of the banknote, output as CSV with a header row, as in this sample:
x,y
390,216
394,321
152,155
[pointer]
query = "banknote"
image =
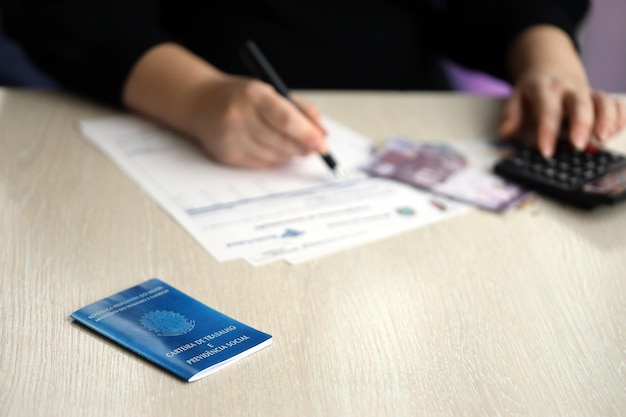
x,y
462,173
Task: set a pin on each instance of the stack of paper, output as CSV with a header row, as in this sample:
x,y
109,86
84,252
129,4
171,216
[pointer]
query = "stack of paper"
x,y
296,212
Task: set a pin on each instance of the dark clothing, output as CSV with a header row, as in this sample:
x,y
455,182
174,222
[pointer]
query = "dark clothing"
x,y
91,45
16,70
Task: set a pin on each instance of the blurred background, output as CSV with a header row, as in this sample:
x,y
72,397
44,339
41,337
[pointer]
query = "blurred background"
x,y
602,40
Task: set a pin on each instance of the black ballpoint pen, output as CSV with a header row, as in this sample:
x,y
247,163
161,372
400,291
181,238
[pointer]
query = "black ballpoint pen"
x,y
260,67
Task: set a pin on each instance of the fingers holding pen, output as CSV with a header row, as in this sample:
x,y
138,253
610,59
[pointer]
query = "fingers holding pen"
x,y
299,128
312,112
225,121
245,122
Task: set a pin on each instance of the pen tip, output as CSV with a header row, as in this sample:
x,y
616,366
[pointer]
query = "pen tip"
x,y
340,174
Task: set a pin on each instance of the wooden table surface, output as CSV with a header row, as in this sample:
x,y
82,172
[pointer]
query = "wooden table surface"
x,y
518,314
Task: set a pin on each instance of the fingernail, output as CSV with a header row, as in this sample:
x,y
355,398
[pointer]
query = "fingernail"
x,y
546,155
579,141
546,152
322,147
604,134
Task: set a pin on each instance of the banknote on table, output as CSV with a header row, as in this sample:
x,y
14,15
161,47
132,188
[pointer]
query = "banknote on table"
x,y
443,169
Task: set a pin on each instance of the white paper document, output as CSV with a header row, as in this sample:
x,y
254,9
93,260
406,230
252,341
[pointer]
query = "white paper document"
x,y
296,212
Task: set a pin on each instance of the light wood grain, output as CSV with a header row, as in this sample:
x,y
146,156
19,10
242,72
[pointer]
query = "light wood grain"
x,y
521,314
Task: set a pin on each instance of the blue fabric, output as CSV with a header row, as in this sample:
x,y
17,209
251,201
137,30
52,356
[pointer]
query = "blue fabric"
x,y
16,69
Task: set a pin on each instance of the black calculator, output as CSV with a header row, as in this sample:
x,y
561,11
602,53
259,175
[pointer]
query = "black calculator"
x,y
582,178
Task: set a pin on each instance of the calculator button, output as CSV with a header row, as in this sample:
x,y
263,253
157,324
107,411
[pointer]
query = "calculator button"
x,y
589,174
575,181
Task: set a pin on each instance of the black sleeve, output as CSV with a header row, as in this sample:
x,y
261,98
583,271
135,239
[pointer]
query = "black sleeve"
x,y
478,33
89,46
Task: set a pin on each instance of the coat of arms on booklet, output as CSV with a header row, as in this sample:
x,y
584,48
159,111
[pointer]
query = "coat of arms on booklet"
x,y
172,329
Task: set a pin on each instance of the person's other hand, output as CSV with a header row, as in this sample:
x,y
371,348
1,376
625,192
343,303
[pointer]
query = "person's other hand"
x,y
551,87
244,122
543,100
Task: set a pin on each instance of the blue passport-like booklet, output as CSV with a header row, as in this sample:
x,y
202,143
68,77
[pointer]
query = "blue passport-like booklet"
x,y
171,329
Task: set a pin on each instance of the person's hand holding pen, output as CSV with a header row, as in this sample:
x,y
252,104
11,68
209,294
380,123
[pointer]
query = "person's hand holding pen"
x,y
238,121
246,123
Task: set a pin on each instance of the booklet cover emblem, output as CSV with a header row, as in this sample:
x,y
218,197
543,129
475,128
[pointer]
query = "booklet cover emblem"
x,y
172,329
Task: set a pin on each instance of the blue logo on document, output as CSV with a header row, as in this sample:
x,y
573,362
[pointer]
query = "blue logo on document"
x,y
291,233
166,323
405,211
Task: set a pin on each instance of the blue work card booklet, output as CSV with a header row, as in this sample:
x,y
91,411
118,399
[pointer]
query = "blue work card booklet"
x,y
172,329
